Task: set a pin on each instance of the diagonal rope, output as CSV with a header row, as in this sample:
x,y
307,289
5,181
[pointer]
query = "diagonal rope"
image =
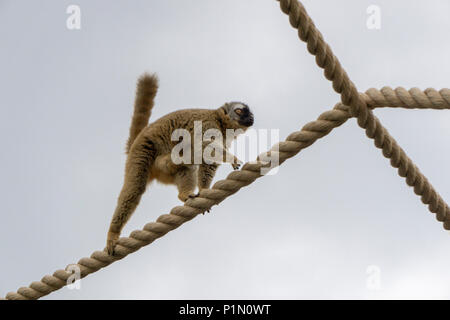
x,y
352,103
222,189
307,32
294,143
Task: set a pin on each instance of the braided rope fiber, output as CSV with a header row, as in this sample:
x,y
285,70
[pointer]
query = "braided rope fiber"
x,y
353,104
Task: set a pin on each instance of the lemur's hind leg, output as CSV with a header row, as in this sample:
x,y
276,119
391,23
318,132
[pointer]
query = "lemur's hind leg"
x,y
206,173
186,181
137,169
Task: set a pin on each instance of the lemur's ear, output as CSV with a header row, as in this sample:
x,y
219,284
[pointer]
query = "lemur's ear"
x,y
225,108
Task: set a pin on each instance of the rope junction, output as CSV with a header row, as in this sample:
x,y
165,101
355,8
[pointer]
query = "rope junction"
x,y
353,104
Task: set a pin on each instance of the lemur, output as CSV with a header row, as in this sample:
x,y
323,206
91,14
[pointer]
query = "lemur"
x,y
149,151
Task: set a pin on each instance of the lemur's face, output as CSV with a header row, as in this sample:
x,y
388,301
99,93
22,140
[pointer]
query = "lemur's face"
x,y
241,113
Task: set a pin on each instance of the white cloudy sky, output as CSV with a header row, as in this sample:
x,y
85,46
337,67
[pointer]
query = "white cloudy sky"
x,y
310,231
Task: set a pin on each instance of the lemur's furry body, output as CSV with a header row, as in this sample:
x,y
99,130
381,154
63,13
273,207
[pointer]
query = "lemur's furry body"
x,y
149,150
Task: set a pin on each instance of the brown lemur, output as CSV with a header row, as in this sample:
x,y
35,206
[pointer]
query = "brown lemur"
x,y
149,150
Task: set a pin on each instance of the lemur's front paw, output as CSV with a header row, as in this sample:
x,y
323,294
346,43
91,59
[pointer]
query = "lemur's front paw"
x,y
111,242
236,165
186,196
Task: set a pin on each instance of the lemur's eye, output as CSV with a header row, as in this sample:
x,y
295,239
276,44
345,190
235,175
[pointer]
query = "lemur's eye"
x,y
238,111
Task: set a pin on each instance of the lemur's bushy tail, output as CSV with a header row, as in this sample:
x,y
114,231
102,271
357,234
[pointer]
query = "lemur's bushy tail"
x,y
147,87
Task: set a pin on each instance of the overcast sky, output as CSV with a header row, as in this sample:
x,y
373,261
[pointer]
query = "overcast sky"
x,y
310,231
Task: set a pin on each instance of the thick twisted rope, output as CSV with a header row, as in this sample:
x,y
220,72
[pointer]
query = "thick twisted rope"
x,y
294,143
410,99
307,32
222,189
352,104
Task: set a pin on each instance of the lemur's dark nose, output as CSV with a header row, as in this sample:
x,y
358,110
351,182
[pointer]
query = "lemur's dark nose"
x,y
248,121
